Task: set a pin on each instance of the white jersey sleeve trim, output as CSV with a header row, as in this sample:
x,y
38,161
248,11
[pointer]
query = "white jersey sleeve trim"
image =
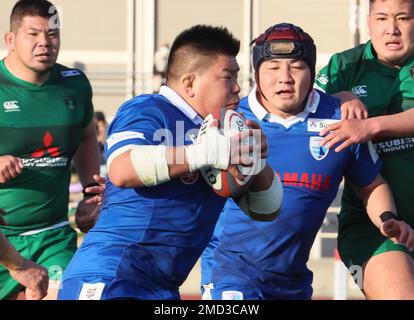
x,y
115,138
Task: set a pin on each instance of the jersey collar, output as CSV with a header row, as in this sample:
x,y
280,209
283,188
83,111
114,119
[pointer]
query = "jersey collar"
x,y
24,83
180,104
263,115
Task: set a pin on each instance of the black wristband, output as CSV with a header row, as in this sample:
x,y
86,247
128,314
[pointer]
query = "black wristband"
x,y
388,215
87,194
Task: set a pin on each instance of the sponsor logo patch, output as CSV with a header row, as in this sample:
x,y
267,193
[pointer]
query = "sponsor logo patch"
x,y
322,79
360,91
317,125
317,152
46,156
11,106
91,291
412,72
394,146
70,73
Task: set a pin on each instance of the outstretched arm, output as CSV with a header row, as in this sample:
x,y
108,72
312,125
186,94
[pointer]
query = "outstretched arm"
x,y
149,165
352,131
351,106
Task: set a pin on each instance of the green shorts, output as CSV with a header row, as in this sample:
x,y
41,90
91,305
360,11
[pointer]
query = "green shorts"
x,y
53,249
359,242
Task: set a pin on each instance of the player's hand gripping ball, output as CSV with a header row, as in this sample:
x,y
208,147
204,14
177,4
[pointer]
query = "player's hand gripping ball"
x,y
223,183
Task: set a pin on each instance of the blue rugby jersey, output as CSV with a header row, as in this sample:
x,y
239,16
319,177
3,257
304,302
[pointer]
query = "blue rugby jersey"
x,y
151,236
272,256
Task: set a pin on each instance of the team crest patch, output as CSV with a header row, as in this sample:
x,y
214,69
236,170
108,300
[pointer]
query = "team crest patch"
x,y
317,151
412,72
190,178
70,102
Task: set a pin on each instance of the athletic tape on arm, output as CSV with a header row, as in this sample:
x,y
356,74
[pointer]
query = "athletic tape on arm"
x,y
263,202
213,149
149,162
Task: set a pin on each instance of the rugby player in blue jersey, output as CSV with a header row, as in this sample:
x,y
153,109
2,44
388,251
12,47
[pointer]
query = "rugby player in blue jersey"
x,y
158,213
249,259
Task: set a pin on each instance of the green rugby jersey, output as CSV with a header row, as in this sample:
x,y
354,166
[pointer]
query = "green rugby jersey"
x,y
41,124
384,90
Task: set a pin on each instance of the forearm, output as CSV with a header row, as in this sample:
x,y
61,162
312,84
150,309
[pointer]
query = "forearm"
x,y
87,161
9,257
378,199
263,199
395,125
345,96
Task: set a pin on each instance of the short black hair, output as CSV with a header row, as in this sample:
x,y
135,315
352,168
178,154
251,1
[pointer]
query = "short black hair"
x,y
23,8
193,45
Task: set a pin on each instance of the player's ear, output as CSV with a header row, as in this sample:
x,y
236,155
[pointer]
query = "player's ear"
x,y
187,80
9,40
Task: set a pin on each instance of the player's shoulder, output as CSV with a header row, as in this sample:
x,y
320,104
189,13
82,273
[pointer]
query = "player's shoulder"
x,y
65,72
71,77
245,108
328,106
352,55
145,105
243,105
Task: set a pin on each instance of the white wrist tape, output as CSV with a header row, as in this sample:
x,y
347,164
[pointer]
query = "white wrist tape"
x,y
264,202
150,164
213,150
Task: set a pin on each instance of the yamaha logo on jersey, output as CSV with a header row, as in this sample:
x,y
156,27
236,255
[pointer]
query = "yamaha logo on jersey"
x,y
317,151
190,178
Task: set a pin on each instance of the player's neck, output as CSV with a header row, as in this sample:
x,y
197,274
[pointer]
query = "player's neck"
x,y
21,72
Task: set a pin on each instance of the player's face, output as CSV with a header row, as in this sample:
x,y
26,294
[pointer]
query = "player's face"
x,y
35,45
217,86
284,85
391,28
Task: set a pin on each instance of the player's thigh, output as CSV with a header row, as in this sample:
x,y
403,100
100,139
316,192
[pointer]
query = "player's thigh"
x,y
389,274
59,247
225,291
55,250
358,243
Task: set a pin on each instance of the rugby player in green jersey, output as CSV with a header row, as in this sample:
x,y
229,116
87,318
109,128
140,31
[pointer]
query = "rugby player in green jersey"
x,y
46,120
381,73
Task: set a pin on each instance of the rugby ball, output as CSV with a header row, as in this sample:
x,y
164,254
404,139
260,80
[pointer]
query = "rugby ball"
x,y
223,183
